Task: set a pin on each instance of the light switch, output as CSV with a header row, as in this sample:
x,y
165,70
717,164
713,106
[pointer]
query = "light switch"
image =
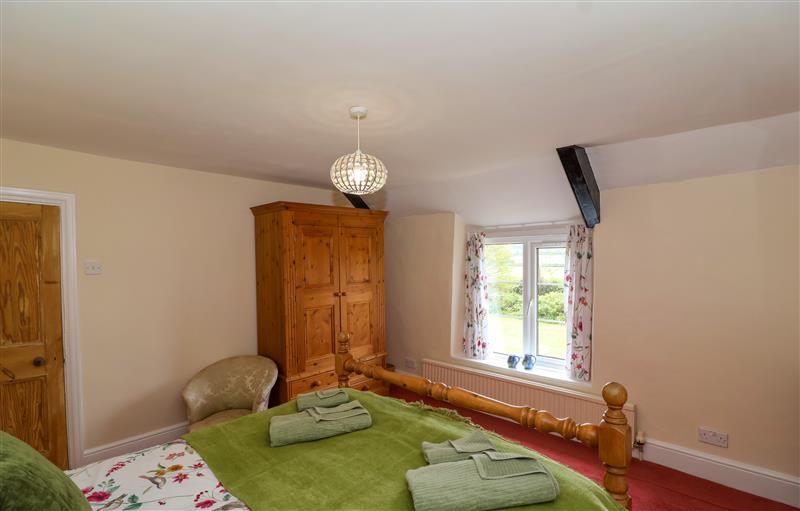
x,y
92,267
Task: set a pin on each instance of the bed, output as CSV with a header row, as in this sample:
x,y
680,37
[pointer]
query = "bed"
x,y
215,467
168,476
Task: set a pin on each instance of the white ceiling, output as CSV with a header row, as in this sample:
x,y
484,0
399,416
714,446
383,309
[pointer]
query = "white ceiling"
x,y
467,101
749,145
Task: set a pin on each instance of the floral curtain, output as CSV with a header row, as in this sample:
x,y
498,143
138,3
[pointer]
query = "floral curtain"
x,y
476,343
578,288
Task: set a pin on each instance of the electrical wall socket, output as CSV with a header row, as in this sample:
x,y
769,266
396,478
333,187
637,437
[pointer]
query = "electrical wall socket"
x,y
410,363
92,268
709,436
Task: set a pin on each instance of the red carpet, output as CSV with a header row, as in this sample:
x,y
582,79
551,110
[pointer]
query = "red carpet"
x,y
653,487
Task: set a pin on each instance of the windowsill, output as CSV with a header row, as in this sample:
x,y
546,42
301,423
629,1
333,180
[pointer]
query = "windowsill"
x,y
541,374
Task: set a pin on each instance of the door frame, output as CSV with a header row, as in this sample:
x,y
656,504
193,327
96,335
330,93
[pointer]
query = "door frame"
x,y
69,309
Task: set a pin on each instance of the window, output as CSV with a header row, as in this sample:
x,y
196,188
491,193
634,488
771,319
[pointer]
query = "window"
x,y
526,298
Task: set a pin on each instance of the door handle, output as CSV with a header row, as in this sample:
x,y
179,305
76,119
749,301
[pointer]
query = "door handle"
x,y
39,361
8,372
343,293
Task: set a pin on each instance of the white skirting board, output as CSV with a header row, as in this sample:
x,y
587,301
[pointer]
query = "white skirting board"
x,y
134,443
741,476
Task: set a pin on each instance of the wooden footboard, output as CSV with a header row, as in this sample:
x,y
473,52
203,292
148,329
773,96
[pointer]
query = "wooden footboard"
x,y
612,436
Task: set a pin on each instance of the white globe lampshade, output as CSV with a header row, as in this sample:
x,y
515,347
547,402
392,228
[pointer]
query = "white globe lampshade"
x,y
358,173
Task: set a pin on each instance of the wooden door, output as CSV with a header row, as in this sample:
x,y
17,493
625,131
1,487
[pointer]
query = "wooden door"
x,y
361,285
316,259
31,353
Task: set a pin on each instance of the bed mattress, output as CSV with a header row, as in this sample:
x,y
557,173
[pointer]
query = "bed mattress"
x,y
170,476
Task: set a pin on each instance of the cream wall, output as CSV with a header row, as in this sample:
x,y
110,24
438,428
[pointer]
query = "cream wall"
x,y
696,311
178,285
420,277
459,276
696,307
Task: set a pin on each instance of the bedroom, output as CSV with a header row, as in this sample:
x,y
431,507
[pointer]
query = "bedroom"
x,y
142,134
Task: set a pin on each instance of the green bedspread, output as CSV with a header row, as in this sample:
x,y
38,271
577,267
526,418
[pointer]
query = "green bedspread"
x,y
363,470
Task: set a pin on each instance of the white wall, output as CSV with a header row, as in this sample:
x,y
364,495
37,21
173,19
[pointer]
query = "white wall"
x,y
178,288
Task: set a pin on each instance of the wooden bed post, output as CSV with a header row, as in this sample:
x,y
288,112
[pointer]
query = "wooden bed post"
x,y
614,444
342,356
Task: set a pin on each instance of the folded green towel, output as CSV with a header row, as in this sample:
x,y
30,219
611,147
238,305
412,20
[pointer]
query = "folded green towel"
x,y
456,450
318,423
489,480
325,398
335,413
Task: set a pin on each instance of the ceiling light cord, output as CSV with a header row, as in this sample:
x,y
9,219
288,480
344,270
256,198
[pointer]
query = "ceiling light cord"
x,y
358,132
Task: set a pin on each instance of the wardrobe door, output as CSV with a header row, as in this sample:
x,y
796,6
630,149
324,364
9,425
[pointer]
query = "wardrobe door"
x,y
316,259
361,284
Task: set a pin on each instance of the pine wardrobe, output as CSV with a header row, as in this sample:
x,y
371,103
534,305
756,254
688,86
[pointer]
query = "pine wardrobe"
x,y
319,271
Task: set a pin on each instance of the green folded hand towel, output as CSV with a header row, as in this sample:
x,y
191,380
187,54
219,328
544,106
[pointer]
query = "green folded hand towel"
x,y
323,398
456,450
318,423
485,481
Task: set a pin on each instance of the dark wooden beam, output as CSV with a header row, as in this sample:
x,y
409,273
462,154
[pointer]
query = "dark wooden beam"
x,y
581,178
356,201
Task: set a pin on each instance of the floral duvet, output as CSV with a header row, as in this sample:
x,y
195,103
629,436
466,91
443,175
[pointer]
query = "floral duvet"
x,y
170,476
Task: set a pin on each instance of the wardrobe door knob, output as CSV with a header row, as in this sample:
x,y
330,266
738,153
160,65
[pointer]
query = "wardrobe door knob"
x,y
39,361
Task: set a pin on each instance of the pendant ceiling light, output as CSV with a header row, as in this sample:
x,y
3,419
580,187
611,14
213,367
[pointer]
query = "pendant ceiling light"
x,y
358,173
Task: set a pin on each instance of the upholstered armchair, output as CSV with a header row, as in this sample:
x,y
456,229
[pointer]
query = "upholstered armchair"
x,y
229,389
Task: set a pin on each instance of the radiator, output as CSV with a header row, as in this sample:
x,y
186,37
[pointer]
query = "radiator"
x,y
560,402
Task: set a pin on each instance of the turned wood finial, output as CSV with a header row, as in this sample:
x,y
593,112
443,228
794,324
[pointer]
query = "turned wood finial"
x,y
343,342
615,395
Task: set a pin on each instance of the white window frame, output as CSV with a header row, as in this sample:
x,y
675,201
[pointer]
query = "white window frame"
x,y
529,284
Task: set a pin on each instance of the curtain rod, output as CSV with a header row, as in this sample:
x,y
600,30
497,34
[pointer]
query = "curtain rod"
x,y
523,226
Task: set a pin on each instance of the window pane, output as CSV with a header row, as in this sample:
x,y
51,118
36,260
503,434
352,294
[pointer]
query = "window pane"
x,y
504,267
504,262
550,326
551,264
552,339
